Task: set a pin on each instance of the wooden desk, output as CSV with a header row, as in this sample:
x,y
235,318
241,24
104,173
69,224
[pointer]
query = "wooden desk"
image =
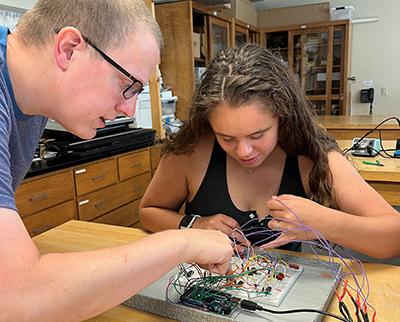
x,y
347,127
74,235
386,179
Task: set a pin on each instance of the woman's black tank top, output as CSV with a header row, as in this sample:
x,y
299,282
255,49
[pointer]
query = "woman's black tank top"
x,y
213,198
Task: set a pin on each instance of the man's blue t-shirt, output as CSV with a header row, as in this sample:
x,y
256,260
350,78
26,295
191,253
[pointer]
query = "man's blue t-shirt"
x,y
19,134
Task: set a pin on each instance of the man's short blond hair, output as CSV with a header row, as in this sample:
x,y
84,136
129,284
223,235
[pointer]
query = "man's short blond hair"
x,y
108,23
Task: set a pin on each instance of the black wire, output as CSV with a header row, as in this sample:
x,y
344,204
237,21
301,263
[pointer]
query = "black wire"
x,y
355,145
253,306
385,150
357,309
345,311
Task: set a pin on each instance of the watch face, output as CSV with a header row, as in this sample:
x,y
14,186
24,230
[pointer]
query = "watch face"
x,y
185,221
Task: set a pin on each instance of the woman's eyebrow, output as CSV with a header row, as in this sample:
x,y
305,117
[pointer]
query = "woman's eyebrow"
x,y
254,133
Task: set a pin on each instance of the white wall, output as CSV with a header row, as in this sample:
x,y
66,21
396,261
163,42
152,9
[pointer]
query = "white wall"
x,y
375,54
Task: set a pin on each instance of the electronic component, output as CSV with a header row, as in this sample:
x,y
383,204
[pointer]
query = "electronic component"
x,y
367,147
210,300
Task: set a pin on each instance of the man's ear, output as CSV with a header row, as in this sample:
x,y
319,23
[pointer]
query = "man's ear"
x,y
67,41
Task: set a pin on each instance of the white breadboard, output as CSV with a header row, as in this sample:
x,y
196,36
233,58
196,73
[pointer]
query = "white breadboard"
x,y
264,279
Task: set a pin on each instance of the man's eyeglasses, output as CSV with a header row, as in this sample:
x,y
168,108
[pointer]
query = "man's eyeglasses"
x,y
133,89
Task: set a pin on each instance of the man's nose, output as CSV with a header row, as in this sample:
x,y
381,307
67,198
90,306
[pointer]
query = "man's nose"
x,y
127,107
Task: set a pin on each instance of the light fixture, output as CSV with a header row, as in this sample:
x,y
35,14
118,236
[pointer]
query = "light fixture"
x,y
364,20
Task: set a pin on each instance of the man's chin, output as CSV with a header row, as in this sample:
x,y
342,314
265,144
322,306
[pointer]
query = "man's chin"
x,y
86,135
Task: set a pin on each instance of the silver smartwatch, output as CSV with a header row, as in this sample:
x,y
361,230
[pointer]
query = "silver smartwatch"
x,y
188,221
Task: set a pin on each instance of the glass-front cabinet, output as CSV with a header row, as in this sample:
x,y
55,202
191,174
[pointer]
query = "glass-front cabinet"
x,y
278,42
310,65
219,35
241,36
317,55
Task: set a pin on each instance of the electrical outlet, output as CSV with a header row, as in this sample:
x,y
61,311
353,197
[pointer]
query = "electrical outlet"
x,y
384,91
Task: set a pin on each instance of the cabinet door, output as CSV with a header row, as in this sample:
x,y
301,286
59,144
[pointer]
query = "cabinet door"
x,y
241,36
219,35
311,60
339,70
278,43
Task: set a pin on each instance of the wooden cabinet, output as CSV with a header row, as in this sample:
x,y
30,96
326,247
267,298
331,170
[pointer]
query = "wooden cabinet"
x,y
219,35
95,176
182,24
245,33
43,193
133,164
107,191
318,55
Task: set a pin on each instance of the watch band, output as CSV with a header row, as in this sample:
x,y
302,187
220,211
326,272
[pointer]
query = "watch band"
x,y
188,221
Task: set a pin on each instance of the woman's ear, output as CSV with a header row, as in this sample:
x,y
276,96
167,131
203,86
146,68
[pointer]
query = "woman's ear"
x,y
67,41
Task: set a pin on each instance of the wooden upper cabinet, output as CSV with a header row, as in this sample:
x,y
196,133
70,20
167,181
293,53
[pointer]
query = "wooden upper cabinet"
x,y
177,60
219,35
192,36
318,54
241,35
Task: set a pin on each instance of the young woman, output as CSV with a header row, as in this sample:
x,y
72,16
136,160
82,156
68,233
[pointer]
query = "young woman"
x,y
251,151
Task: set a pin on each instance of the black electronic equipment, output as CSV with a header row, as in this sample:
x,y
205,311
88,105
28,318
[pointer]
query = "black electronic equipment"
x,y
367,147
367,96
114,139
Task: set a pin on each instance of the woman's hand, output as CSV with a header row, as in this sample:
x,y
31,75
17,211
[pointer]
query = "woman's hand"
x,y
223,223
293,216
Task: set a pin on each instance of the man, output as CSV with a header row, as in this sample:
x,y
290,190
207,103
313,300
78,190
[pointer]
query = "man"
x,y
79,62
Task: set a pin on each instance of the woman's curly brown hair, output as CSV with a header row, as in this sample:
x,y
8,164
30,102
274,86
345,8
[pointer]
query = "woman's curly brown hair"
x,y
253,74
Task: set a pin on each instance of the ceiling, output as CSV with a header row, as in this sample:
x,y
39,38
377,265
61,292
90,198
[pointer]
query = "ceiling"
x,y
274,4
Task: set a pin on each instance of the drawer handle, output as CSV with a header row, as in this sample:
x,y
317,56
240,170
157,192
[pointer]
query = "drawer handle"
x,y
41,229
138,188
100,176
80,171
83,202
136,165
101,204
39,197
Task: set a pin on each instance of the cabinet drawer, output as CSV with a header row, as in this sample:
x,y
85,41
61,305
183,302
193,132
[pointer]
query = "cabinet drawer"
x,y
95,176
127,215
50,218
43,193
100,202
133,164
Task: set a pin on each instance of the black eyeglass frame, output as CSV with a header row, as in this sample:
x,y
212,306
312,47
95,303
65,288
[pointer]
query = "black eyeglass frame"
x,y
121,69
